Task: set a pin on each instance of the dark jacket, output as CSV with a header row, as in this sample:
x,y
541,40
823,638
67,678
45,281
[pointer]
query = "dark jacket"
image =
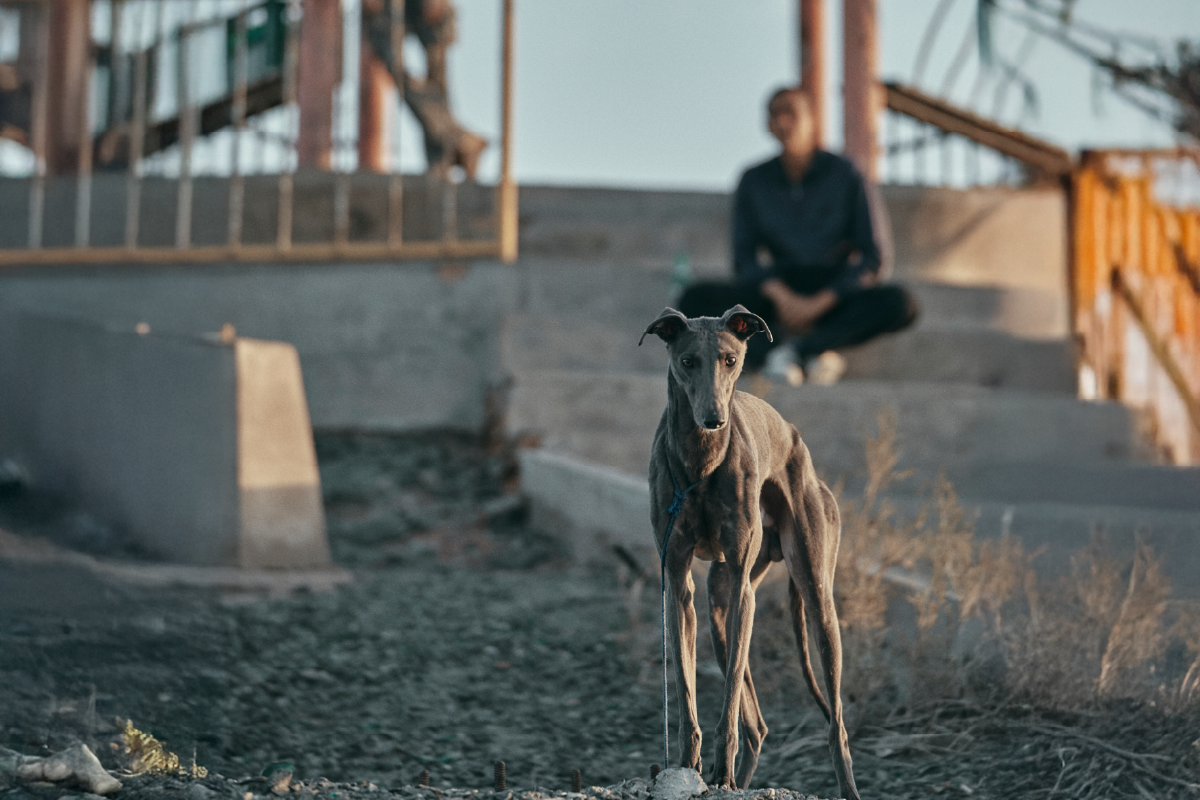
x,y
816,223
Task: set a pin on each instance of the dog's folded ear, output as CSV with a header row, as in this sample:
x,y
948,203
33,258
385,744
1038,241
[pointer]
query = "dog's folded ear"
x,y
668,325
742,324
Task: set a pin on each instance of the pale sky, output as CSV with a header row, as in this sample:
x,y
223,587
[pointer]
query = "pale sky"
x,y
669,93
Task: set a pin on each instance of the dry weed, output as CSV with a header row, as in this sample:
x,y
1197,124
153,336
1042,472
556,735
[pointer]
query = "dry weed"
x,y
147,755
943,603
1137,635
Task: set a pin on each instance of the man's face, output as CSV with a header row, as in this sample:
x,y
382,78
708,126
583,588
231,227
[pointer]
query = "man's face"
x,y
790,121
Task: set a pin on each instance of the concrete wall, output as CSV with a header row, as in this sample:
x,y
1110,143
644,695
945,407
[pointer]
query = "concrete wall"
x,y
382,346
198,449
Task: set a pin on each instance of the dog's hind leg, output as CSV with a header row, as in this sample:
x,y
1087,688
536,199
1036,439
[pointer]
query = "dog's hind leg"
x,y
753,726
810,544
800,627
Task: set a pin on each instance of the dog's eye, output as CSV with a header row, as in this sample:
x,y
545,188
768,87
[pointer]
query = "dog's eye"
x,y
730,360
687,361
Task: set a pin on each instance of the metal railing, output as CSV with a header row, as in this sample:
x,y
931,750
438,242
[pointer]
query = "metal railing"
x,y
135,174
930,141
1135,264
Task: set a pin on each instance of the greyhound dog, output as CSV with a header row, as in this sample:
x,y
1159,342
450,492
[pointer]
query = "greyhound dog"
x,y
748,467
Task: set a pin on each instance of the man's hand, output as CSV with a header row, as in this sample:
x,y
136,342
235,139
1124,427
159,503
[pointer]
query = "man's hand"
x,y
798,312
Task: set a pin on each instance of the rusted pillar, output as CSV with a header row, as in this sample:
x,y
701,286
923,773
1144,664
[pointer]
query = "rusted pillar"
x,y
320,70
70,41
506,192
374,85
860,89
812,61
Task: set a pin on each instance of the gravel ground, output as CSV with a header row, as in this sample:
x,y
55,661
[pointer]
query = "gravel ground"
x,y
465,637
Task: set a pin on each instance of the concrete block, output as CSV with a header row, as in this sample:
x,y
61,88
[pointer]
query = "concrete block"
x,y
281,514
593,507
200,449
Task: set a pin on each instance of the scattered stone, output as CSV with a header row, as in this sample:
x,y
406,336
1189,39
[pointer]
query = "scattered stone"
x,y
10,760
678,783
77,764
279,776
198,791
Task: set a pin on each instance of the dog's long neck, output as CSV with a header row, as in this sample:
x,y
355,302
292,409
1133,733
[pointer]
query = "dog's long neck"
x,y
697,452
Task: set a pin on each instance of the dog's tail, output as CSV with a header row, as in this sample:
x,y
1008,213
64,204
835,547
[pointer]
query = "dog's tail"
x,y
800,626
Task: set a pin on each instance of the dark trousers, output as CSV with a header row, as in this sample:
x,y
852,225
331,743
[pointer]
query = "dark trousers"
x,y
857,317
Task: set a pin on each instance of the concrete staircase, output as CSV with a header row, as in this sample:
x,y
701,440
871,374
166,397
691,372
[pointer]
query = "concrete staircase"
x,y
982,388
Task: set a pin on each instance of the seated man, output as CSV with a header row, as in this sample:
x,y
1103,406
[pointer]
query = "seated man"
x,y
808,210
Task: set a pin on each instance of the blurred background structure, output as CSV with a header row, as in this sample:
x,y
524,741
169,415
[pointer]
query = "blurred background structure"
x,y
342,177
165,94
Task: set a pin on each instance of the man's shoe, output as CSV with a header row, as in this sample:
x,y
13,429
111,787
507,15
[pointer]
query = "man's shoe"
x,y
826,369
781,366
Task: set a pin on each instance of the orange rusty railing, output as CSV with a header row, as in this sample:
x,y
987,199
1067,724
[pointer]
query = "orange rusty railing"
x,y
1135,265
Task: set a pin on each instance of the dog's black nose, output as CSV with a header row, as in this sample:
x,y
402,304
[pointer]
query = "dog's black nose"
x,y
714,423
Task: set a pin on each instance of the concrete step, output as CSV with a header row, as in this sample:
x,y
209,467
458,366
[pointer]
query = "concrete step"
x,y
1144,486
596,507
610,419
968,356
975,237
973,357
1029,313
626,296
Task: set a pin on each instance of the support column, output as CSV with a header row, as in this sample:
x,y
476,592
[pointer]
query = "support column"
x,y
812,61
374,128
70,41
318,73
862,99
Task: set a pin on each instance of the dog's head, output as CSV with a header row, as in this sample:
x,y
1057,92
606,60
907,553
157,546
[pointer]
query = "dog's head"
x,y
706,358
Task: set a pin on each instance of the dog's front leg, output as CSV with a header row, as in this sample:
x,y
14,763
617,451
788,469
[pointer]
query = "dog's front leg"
x,y
681,612
738,627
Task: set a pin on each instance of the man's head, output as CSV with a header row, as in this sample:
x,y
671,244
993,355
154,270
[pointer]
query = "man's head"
x,y
790,120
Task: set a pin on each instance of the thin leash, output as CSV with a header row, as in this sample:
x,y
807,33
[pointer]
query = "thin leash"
x,y
673,512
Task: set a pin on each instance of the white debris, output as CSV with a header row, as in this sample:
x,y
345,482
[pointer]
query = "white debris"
x,y
678,783
76,764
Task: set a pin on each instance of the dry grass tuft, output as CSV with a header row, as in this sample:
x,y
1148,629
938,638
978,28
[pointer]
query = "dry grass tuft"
x,y
965,672
147,755
977,604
